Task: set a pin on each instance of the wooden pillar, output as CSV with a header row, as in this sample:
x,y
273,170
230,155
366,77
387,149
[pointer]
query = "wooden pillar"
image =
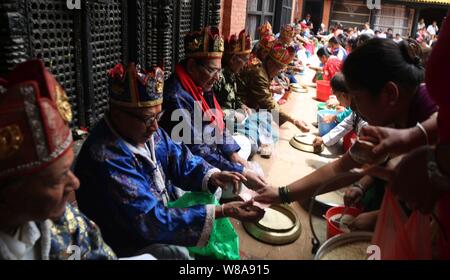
x,y
326,12
300,9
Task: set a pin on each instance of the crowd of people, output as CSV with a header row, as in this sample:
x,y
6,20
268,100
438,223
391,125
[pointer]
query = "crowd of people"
x,y
150,185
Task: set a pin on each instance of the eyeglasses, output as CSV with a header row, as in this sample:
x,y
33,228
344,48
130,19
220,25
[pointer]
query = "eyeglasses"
x,y
148,121
211,72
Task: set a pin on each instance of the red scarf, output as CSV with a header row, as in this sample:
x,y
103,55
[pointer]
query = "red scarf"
x,y
216,116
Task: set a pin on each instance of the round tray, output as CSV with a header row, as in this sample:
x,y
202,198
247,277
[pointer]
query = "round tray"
x,y
342,239
276,236
332,199
303,142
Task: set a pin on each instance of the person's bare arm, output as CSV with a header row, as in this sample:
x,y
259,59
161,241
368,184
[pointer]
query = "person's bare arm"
x,y
398,141
307,186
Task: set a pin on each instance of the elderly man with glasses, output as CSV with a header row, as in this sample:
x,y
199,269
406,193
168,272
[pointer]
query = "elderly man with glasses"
x,y
130,172
189,95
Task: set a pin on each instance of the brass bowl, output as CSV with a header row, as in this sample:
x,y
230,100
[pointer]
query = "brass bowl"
x,y
276,236
300,143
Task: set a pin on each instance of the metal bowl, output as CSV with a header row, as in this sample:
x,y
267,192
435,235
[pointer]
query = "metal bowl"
x,y
276,236
302,143
342,240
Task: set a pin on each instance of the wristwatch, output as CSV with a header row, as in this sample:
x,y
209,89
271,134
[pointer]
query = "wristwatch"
x,y
439,179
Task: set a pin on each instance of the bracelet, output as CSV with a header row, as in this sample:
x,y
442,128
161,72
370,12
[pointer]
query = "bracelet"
x,y
359,186
222,210
283,193
424,131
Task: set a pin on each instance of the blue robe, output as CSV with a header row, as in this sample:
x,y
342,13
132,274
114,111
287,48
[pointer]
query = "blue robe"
x,y
217,154
118,192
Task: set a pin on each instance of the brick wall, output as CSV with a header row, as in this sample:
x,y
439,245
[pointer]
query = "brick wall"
x,y
234,13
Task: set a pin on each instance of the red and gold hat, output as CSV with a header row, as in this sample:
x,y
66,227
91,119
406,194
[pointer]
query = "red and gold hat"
x,y
241,44
205,44
265,29
266,42
287,33
135,87
34,117
281,54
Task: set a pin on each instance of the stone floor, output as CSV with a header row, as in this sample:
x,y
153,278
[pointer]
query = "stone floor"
x,y
285,166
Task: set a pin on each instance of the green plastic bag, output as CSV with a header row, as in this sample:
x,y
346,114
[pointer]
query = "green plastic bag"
x,y
223,242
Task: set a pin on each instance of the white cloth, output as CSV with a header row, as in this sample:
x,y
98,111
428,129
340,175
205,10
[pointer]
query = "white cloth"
x,y
148,152
29,242
144,257
341,130
244,153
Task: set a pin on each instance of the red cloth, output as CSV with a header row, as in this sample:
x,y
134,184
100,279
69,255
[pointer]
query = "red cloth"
x,y
216,115
330,68
436,77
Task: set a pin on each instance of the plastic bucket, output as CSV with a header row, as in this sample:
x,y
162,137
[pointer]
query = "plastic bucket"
x,y
324,127
332,229
349,139
323,90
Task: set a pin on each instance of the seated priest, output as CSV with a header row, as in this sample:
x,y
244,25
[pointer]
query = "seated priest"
x,y
189,96
254,83
130,170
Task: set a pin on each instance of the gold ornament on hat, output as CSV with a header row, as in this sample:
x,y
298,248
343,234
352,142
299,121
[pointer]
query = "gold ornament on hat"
x,y
194,45
63,105
159,78
219,45
11,139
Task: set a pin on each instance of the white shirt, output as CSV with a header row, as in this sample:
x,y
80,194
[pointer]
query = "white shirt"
x,y
432,29
341,130
367,31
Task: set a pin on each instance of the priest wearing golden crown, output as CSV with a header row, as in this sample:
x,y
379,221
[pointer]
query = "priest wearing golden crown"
x,y
254,84
249,123
131,171
189,94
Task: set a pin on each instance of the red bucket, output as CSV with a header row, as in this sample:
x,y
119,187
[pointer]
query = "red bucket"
x,y
349,139
323,90
332,229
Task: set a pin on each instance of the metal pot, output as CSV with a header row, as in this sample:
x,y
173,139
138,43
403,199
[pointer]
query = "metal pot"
x,y
342,240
